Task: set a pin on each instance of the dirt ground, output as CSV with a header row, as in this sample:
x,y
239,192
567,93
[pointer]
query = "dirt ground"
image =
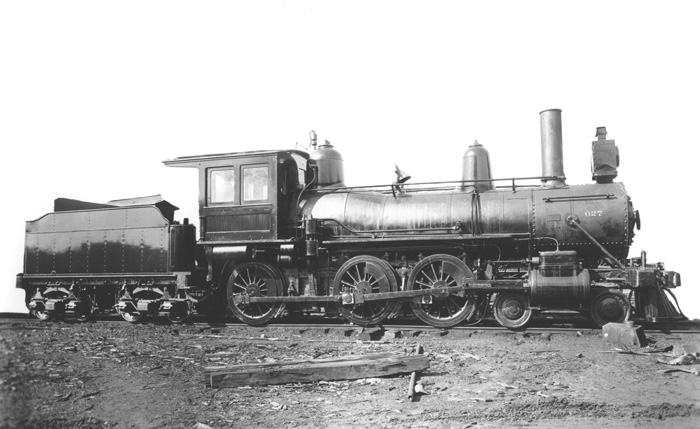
x,y
117,375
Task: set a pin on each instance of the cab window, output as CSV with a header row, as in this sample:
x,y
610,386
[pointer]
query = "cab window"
x,y
255,183
222,186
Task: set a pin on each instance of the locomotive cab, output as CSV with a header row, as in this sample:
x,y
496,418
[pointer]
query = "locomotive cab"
x,y
246,196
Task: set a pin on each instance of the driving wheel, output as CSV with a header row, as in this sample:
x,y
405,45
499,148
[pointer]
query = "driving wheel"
x,y
363,275
254,279
443,308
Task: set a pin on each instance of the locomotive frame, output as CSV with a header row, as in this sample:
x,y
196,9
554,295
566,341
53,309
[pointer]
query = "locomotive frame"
x,y
280,232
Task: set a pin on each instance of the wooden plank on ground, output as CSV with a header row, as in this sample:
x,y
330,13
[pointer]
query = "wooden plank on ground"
x,y
288,363
301,371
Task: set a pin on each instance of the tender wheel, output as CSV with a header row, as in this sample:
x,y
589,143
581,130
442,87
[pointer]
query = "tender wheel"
x,y
180,312
512,310
44,315
130,316
443,309
609,307
365,274
85,310
254,279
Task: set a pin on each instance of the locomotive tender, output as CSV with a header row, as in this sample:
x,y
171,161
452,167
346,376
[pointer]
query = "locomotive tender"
x,y
280,232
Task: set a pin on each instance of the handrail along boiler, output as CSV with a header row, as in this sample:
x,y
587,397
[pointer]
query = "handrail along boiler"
x,y
280,232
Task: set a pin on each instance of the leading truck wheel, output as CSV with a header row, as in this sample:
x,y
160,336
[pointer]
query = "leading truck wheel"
x,y
441,309
607,307
254,279
512,310
363,275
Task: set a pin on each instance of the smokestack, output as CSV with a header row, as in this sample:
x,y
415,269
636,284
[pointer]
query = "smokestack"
x,y
552,148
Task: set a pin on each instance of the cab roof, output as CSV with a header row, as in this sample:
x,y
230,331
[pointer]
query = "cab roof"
x,y
196,160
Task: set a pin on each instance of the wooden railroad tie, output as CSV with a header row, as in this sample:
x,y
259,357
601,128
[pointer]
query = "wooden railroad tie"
x,y
351,367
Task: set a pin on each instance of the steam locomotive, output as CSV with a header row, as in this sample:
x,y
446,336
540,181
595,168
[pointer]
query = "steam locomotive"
x,y
281,233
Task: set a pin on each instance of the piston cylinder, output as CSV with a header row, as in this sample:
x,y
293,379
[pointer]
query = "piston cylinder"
x,y
558,282
560,292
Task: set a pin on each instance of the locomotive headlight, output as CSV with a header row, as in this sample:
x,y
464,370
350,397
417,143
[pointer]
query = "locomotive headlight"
x,y
673,279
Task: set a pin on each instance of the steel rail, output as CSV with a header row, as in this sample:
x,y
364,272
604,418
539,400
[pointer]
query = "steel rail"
x,y
649,328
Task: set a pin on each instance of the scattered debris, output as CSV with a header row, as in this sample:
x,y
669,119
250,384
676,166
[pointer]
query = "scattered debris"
x,y
482,399
647,351
412,382
624,333
694,371
371,334
457,357
420,389
368,381
687,349
391,335
651,350
680,360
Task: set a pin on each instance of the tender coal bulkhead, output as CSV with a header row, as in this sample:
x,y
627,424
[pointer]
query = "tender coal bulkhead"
x,y
280,233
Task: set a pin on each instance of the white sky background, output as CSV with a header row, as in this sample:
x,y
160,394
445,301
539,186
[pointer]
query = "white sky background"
x,y
94,95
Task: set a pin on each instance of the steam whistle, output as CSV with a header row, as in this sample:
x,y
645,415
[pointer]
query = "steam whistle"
x,y
312,136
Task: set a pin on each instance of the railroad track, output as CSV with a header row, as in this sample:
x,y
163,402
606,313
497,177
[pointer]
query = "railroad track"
x,y
565,323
